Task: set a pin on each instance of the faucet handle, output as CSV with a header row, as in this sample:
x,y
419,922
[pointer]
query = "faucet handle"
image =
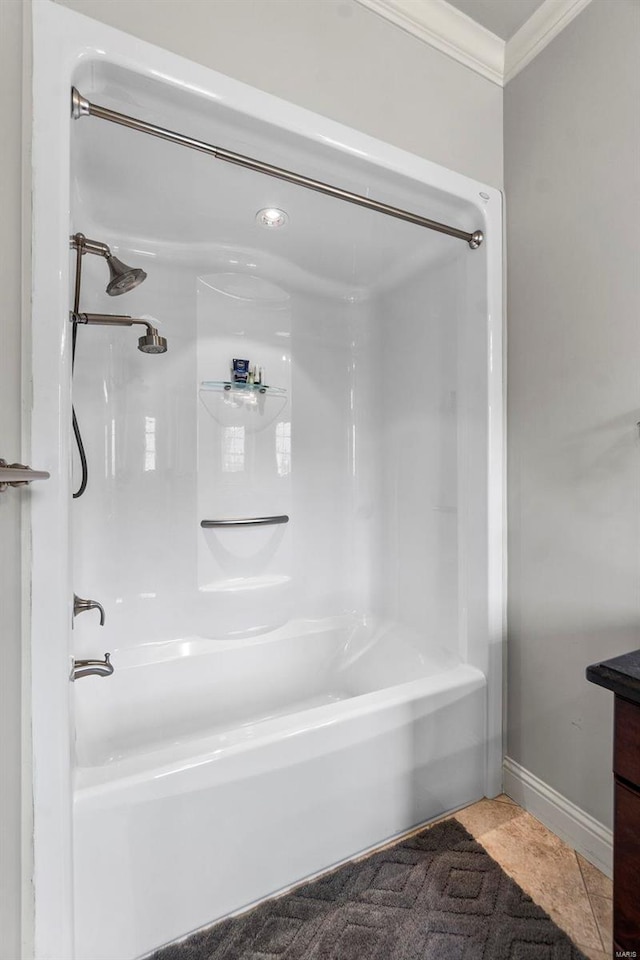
x,y
80,605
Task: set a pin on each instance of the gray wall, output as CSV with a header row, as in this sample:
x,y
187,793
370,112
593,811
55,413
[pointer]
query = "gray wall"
x,y
331,56
11,158
337,58
572,161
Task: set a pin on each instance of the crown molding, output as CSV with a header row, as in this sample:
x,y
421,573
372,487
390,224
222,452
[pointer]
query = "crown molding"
x,y
452,32
447,29
539,30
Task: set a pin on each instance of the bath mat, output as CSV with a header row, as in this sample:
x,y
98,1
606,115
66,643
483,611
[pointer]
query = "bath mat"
x,y
436,896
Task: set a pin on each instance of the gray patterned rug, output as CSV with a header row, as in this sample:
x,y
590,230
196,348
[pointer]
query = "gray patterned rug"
x,y
436,896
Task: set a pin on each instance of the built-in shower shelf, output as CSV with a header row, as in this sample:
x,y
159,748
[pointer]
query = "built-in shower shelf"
x,y
243,388
252,406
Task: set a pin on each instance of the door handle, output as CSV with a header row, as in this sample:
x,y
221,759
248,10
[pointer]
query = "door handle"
x,y
18,474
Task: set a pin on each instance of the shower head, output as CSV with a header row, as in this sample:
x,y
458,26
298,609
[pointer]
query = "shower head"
x,y
123,278
152,342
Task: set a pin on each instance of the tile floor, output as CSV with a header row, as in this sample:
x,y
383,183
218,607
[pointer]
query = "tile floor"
x,y
572,891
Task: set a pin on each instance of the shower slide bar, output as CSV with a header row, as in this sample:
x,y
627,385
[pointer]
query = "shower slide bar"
x,y
246,522
81,107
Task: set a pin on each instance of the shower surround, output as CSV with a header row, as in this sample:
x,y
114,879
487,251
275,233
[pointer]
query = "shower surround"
x,y
284,696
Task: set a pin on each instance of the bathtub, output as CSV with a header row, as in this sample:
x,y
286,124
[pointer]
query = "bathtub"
x,y
341,735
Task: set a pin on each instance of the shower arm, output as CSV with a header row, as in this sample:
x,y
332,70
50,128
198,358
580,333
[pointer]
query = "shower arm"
x,y
111,320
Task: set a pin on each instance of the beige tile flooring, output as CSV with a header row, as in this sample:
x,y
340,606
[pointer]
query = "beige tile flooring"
x,y
572,891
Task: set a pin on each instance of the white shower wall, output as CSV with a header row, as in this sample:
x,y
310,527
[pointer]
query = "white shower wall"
x,y
361,452
137,417
417,327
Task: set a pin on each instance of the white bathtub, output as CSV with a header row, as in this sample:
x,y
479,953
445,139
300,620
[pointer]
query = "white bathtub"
x,y
369,737
236,685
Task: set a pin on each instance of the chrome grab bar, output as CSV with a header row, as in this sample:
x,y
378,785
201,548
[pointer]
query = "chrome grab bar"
x,y
89,668
245,522
18,474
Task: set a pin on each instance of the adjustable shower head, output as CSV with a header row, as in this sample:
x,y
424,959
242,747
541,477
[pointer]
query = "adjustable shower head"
x,y
123,278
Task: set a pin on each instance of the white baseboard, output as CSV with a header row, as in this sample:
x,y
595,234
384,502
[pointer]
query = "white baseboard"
x,y
579,829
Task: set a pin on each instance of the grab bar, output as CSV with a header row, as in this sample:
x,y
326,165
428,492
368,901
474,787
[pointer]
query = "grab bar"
x,y
245,522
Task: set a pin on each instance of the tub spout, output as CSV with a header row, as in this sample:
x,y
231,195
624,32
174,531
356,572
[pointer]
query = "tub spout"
x,y
92,668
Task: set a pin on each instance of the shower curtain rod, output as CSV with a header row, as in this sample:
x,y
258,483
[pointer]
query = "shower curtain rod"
x,y
81,107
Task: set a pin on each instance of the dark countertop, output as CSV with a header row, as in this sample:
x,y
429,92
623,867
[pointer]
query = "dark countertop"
x,y
620,674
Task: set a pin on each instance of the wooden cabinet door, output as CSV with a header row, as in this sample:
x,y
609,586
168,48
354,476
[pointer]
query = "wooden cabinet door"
x,y
626,869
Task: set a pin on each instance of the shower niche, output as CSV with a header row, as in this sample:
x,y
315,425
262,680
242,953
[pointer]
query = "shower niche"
x,y
244,456
301,585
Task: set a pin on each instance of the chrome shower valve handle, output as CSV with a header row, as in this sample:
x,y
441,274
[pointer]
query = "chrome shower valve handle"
x,y
80,606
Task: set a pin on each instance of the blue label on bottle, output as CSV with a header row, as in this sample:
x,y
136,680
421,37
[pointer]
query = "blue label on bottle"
x,y
240,370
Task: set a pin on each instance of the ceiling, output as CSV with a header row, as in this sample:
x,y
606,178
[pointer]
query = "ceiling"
x,y
155,199
502,17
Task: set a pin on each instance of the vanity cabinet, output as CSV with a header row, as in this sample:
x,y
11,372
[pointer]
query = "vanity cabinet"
x,y
626,853
622,676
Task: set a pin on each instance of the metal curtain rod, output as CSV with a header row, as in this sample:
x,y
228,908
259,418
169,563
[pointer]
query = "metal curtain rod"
x,y
81,107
